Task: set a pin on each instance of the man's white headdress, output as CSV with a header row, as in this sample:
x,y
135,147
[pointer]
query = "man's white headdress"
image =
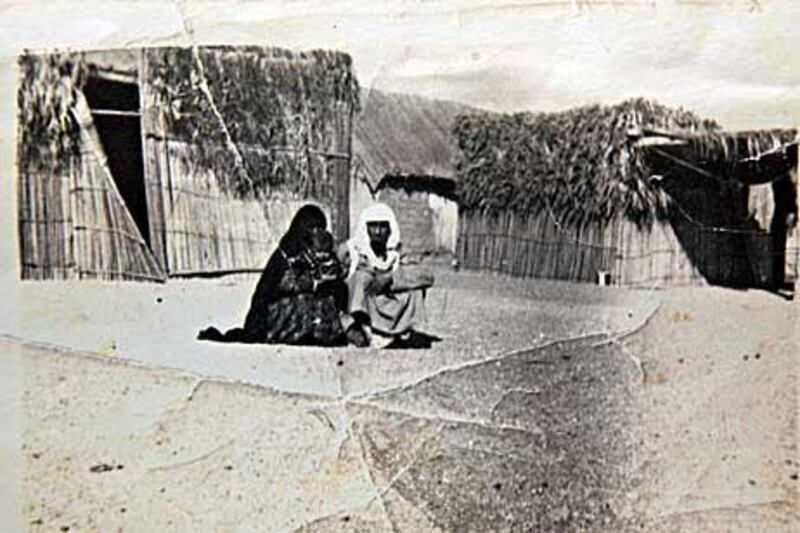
x,y
359,244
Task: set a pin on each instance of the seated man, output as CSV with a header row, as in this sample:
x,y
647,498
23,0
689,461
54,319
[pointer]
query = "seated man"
x,y
383,300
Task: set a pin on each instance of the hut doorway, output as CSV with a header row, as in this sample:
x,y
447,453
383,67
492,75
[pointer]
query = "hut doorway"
x,y
116,114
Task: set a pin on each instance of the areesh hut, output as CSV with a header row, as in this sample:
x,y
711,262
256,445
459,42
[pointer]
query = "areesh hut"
x,y
157,162
638,193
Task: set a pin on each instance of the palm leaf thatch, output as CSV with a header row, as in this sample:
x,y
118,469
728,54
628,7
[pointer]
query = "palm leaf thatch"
x,y
579,164
261,119
278,108
49,136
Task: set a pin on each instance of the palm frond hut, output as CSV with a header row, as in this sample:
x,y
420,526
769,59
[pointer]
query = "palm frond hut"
x,y
157,162
647,194
403,154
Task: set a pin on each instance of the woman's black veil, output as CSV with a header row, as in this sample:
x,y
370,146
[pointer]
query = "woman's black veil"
x,y
296,238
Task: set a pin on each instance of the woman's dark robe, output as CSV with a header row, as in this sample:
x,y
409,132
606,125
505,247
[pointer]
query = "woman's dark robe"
x,y
292,304
285,309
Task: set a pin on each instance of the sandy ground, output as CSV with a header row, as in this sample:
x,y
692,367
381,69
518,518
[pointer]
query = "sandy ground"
x,y
157,324
545,406
719,408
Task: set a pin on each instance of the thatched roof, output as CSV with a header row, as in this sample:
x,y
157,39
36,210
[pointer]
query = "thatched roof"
x,y
49,135
748,157
586,165
579,164
404,135
262,119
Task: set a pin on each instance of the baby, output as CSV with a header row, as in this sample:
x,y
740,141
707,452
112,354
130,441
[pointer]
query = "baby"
x,y
321,259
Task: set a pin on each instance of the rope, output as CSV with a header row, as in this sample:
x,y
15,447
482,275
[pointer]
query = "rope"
x,y
693,168
714,177
706,227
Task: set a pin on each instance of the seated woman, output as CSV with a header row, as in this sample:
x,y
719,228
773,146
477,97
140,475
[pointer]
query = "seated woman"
x,y
383,299
298,297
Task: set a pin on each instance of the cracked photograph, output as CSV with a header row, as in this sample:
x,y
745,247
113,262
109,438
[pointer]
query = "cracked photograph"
x,y
402,266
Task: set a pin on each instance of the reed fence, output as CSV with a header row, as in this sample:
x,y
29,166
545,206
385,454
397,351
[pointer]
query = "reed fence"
x,y
677,252
45,226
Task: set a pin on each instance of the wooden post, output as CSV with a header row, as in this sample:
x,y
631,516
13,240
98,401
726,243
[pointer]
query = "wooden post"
x,y
343,186
792,255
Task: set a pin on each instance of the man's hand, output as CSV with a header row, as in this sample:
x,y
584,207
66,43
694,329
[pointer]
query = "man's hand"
x,y
409,280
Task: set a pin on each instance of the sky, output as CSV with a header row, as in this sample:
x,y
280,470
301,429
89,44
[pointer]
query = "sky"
x,y
735,61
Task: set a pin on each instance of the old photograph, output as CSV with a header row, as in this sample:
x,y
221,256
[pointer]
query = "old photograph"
x,y
399,266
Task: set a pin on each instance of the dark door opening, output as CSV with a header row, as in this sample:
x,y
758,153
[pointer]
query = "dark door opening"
x,y
115,110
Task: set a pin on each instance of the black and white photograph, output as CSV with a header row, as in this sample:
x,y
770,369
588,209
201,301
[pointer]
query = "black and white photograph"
x,y
399,266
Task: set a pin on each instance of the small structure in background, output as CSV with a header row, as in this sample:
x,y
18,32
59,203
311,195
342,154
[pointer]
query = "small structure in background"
x,y
403,153
427,212
149,163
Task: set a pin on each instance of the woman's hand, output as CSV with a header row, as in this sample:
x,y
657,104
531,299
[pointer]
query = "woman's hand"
x,y
293,282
